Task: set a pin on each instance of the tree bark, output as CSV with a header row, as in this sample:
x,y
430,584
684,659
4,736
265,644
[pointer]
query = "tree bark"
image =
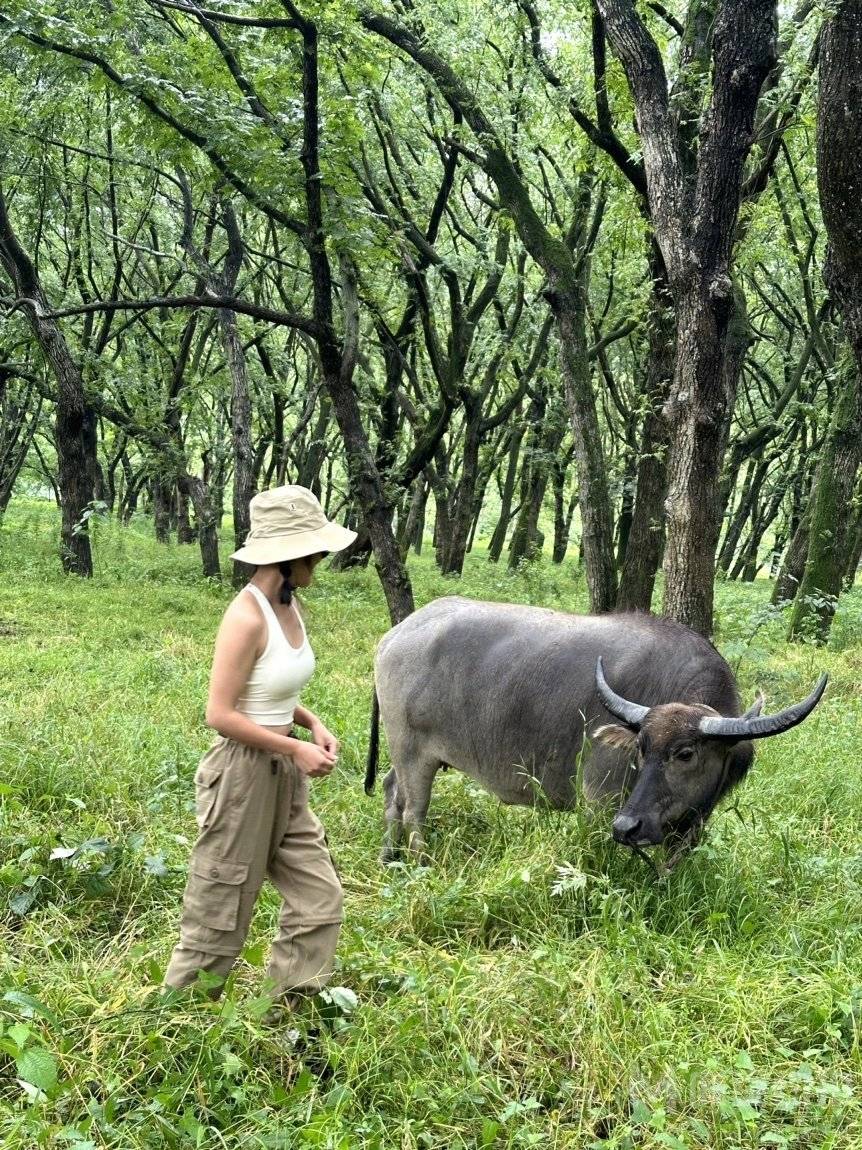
x,y
19,417
754,480
498,539
162,493
694,203
855,554
563,513
830,526
462,502
839,177
793,567
414,521
646,537
597,527
75,426
206,518
543,447
185,531
240,397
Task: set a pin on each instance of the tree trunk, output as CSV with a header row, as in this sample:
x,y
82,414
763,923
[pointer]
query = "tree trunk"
x,y
696,414
185,531
793,568
438,478
545,440
646,537
132,482
627,504
313,458
754,479
830,538
694,204
240,399
461,520
839,177
526,541
597,527
162,492
855,555
243,451
356,554
747,565
563,515
19,418
498,539
75,426
414,521
532,485
206,518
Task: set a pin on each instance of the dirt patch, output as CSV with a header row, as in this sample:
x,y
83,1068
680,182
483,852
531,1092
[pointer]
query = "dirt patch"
x,y
9,629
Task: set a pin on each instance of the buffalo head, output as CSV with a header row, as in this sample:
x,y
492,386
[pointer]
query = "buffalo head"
x,y
688,756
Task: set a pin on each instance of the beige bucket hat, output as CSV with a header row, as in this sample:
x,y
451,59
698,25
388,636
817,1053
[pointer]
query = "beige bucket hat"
x,y
287,523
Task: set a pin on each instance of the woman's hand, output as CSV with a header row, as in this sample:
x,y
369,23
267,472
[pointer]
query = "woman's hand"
x,y
324,738
312,760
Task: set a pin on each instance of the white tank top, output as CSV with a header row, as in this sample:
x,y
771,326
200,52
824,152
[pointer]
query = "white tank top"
x,y
272,690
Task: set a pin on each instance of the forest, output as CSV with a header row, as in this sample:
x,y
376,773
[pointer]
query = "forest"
x,y
551,301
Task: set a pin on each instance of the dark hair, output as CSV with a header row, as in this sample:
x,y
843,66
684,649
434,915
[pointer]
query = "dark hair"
x,y
287,588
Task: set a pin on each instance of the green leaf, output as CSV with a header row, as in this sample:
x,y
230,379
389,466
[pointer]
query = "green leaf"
x,y
342,997
155,865
23,903
38,1067
20,1034
490,1130
29,1005
255,953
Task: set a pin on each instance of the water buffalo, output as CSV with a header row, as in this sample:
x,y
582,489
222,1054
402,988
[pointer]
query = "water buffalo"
x,y
512,696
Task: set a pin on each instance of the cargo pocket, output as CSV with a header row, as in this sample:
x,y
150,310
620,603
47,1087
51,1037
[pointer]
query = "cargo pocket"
x,y
213,892
207,781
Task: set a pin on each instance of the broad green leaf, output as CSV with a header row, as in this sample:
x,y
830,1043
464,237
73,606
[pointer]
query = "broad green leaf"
x,y
38,1067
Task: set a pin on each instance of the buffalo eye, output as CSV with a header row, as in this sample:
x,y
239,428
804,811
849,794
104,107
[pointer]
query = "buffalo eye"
x,y
685,754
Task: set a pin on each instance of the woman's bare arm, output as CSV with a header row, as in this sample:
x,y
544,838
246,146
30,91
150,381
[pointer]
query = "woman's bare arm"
x,y
240,640
319,733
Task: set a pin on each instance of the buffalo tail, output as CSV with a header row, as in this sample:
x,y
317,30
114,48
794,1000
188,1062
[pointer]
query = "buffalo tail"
x,y
373,745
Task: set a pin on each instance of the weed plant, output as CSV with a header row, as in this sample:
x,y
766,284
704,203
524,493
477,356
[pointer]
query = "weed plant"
x,y
538,987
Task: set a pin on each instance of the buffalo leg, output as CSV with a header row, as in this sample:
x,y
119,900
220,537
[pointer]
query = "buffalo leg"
x,y
408,796
415,787
394,810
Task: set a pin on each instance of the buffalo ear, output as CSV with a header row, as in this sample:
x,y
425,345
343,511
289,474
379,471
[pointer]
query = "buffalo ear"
x,y
740,759
613,735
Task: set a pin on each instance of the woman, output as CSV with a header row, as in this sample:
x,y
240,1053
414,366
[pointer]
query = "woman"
x,y
252,786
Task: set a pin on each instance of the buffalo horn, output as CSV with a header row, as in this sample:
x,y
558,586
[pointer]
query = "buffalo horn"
x,y
755,708
760,727
631,713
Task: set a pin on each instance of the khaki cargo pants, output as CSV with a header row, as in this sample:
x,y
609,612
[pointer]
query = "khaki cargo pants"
x,y
254,823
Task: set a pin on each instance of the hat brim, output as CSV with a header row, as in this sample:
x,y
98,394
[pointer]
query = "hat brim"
x,y
281,548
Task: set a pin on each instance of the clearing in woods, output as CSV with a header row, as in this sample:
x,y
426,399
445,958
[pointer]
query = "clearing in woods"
x,y
537,987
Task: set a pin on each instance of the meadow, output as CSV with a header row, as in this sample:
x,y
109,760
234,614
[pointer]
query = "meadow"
x,y
537,987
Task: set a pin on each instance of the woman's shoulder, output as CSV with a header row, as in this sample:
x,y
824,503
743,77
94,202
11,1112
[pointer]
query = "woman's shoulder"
x,y
243,615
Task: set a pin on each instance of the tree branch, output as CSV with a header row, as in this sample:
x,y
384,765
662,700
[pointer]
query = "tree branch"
x,y
668,17
256,311
601,134
227,17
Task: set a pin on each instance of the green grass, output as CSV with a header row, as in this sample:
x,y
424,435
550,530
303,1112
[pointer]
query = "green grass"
x,y
502,1001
